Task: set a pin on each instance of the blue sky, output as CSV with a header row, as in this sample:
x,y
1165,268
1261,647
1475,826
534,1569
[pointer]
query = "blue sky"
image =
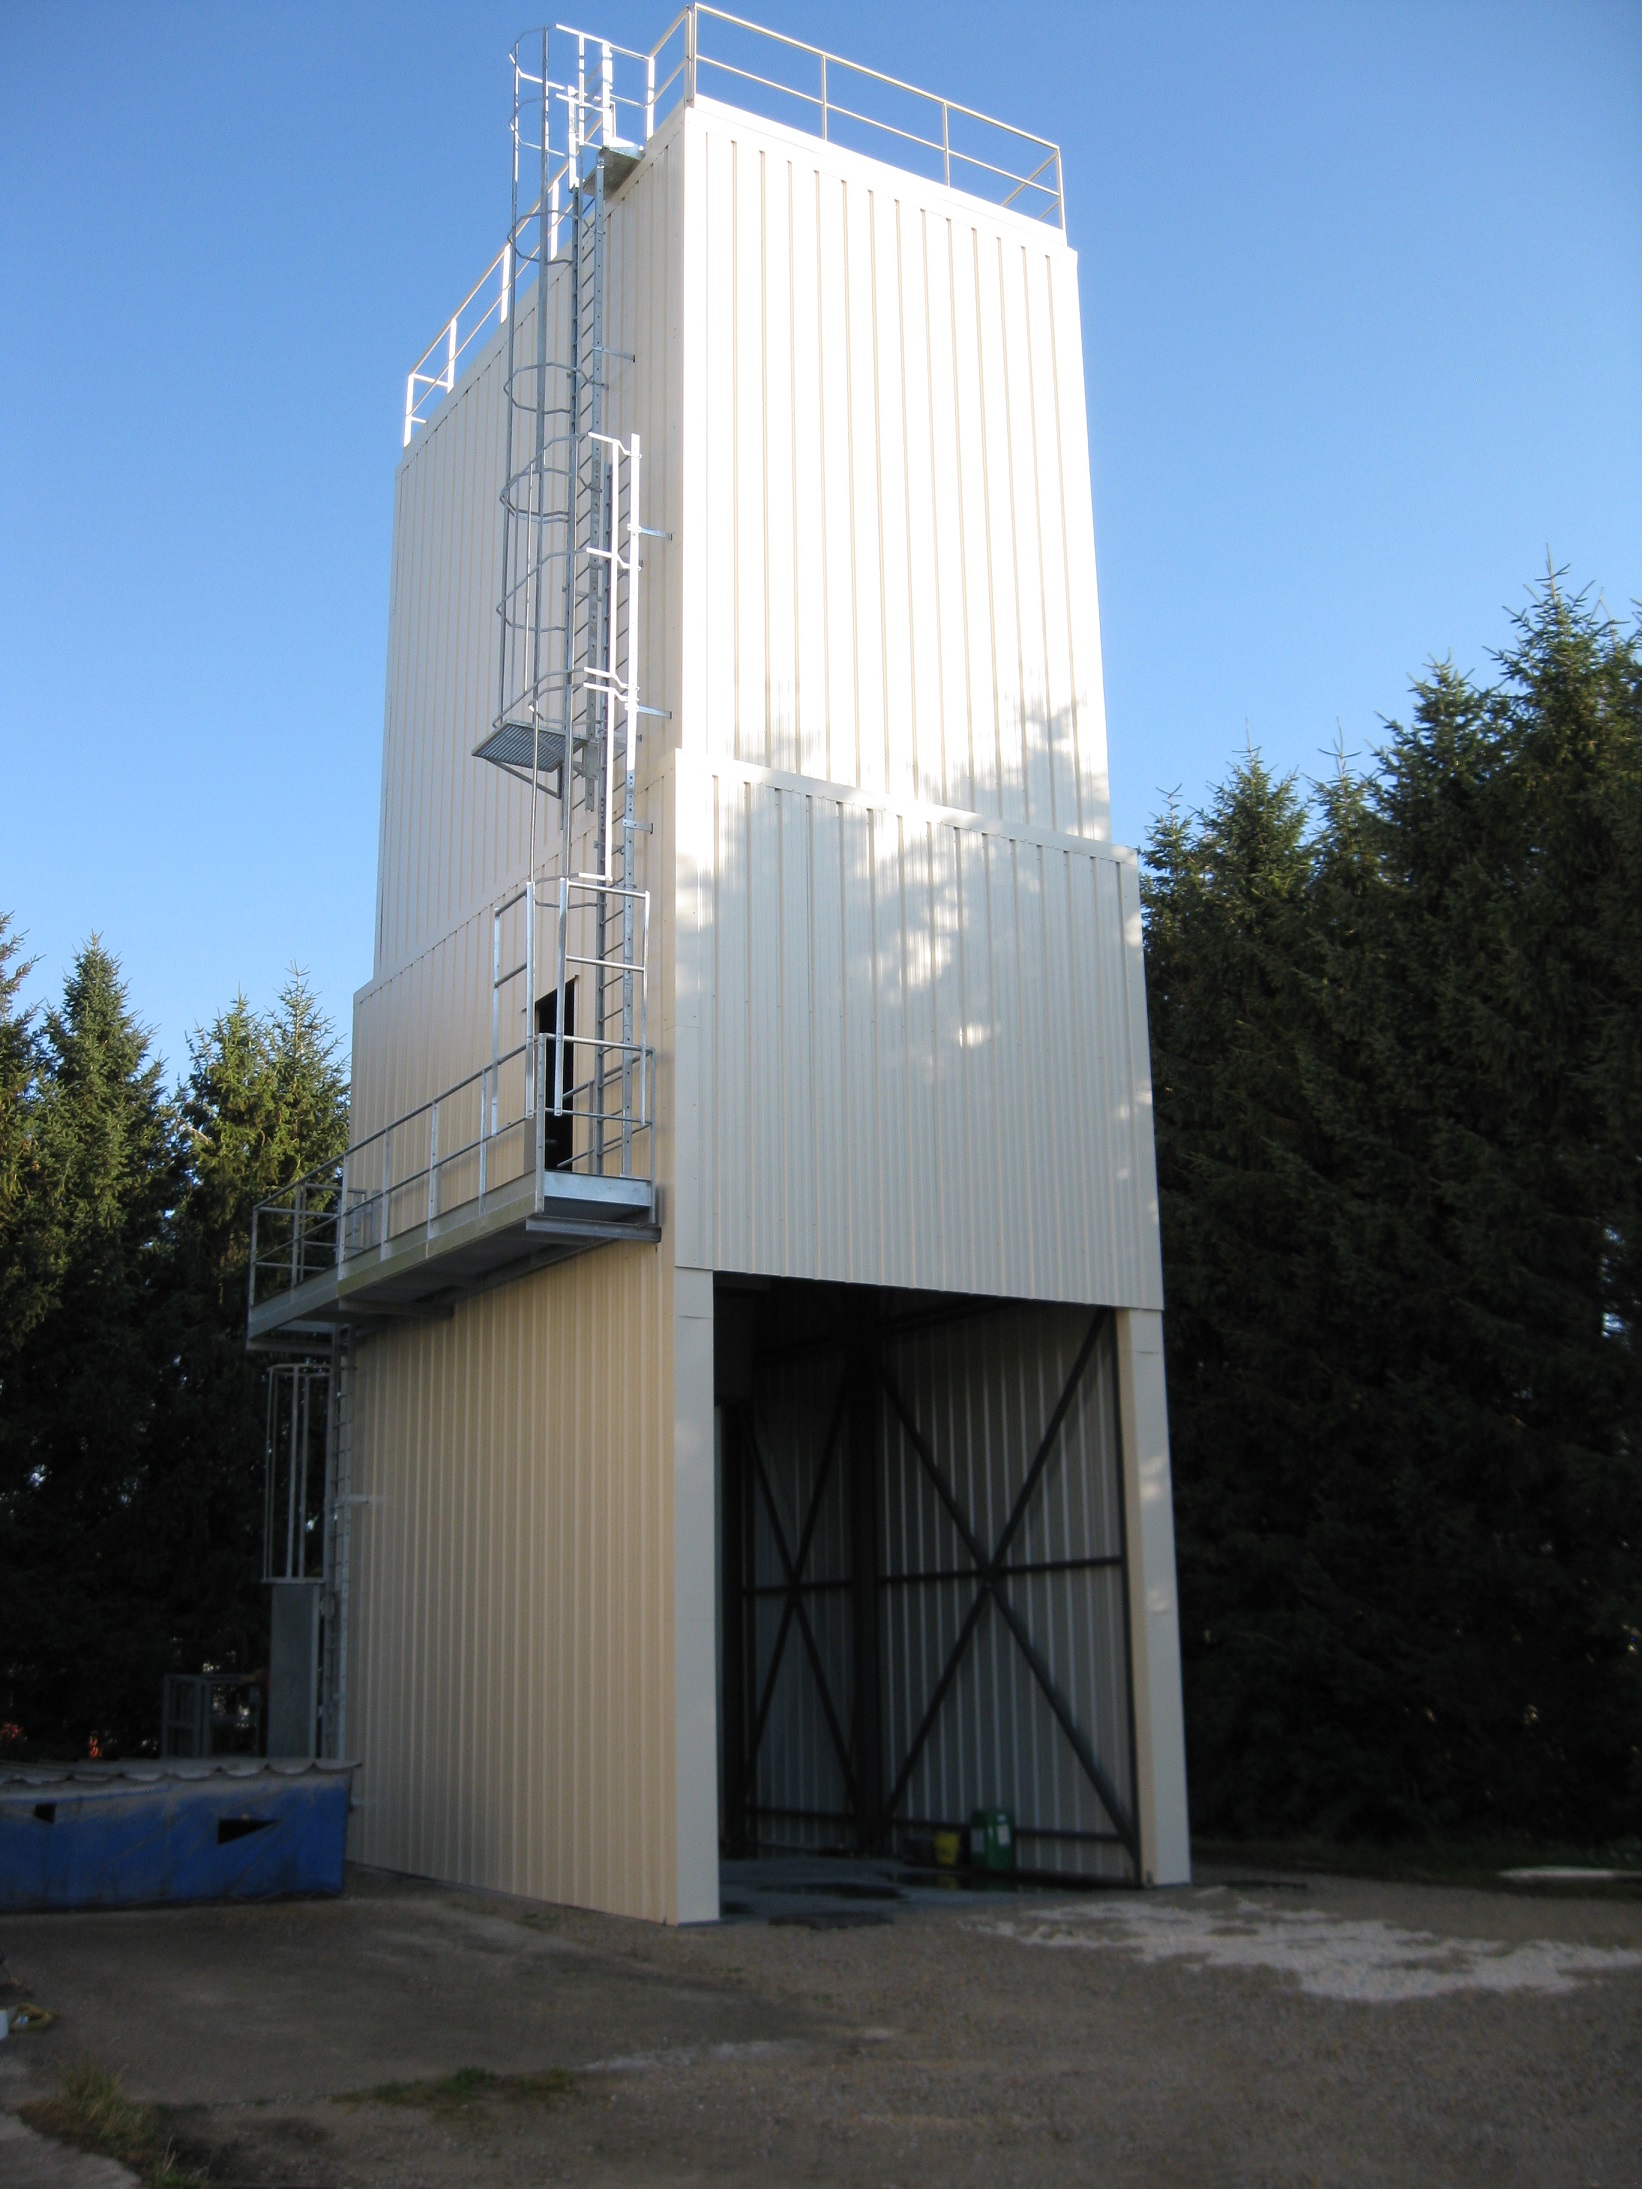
x,y
1362,300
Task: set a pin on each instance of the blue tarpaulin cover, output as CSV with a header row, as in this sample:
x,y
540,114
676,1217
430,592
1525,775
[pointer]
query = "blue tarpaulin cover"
x,y
119,1835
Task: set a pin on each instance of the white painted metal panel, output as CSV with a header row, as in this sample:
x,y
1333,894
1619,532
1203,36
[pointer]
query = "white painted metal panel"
x,y
918,1045
513,1641
889,483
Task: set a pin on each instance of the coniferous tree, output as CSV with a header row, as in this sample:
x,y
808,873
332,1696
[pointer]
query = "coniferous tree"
x,y
265,1102
29,1257
79,1637
131,1421
1406,1409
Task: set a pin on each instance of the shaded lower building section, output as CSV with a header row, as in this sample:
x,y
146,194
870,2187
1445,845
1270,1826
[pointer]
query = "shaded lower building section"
x,y
925,1576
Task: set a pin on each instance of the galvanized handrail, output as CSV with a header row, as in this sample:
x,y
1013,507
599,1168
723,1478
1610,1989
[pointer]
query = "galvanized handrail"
x,y
598,111
1046,201
450,345
595,112
343,1211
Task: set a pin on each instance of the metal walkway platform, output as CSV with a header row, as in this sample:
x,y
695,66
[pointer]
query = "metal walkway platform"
x,y
506,1172
429,1271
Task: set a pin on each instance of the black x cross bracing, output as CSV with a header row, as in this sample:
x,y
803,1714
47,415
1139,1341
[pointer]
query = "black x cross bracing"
x,y
990,1571
792,1611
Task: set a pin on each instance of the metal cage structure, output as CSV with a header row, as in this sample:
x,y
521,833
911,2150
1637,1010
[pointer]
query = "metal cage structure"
x,y
308,1508
295,1455
568,704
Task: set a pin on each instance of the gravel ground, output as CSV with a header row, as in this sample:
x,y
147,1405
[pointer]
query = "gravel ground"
x,y
1254,2033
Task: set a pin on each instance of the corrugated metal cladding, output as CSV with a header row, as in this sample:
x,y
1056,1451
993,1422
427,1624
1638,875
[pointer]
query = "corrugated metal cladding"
x,y
916,1048
898,1006
512,1684
889,507
982,1393
454,832
427,1024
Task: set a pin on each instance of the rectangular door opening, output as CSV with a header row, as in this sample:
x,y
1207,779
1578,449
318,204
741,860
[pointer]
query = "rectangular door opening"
x,y
923,1576
559,1133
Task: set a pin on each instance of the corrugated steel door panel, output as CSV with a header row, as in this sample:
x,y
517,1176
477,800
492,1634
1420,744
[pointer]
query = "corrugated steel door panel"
x,y
801,1667
982,1395
995,1453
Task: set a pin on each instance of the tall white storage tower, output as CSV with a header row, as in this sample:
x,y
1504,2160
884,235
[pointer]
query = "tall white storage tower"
x,y
742,1294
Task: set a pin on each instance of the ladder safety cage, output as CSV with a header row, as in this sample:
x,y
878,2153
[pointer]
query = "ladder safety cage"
x,y
294,1469
308,1504
568,705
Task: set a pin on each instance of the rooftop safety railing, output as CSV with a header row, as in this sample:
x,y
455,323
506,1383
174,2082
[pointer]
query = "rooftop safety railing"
x,y
615,98
576,1105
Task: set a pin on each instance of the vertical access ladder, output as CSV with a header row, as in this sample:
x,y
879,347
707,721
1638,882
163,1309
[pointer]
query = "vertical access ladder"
x,y
567,716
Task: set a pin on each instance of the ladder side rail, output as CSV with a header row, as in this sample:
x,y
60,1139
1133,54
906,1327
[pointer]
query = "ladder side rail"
x,y
433,1165
516,261
328,1560
595,632
534,951
630,728
337,1543
270,1471
496,920
541,497
559,991
537,1044
293,1461
566,588
306,1381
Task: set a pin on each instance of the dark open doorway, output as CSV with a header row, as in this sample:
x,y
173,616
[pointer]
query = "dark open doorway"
x,y
923,1574
559,1132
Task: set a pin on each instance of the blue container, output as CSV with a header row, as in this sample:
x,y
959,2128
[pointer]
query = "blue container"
x,y
120,1837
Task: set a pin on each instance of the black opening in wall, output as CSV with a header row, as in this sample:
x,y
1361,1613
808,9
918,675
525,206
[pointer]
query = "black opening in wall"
x,y
923,1582
559,1133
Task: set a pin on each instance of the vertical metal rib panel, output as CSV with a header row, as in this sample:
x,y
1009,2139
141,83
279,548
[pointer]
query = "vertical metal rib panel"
x,y
982,1393
514,1615
894,492
978,1394
454,832
920,1051
513,1620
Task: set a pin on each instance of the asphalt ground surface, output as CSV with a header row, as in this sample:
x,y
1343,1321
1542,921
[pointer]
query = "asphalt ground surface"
x,y
848,2026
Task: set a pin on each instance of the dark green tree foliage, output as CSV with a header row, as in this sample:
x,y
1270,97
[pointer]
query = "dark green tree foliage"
x,y
1399,1110
28,1242
130,1414
81,1391
265,1101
